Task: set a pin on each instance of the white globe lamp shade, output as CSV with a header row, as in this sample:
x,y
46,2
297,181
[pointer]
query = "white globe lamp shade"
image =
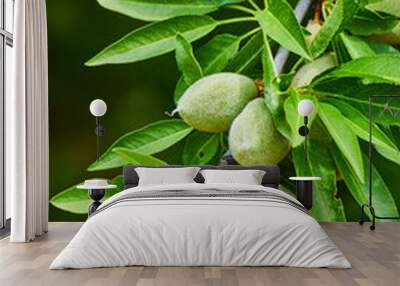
x,y
98,107
305,107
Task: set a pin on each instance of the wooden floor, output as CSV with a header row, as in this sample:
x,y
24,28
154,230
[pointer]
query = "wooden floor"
x,y
375,257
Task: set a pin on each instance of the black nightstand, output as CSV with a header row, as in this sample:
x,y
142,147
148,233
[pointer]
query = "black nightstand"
x,y
304,190
96,193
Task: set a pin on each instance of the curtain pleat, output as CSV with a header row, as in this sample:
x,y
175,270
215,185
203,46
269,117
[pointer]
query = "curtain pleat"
x,y
28,116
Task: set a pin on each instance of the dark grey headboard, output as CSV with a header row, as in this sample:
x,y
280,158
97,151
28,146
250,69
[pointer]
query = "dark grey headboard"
x,y
271,177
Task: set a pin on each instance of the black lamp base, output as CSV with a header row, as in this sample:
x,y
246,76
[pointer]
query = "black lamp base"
x,y
304,193
96,195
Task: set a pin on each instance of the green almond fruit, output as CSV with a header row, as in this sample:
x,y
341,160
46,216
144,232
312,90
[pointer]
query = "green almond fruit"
x,y
253,138
213,102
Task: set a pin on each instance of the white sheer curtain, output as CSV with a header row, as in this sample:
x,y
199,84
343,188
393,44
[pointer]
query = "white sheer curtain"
x,y
27,124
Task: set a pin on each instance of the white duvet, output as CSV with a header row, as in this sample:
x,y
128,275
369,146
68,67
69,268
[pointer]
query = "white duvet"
x,y
200,231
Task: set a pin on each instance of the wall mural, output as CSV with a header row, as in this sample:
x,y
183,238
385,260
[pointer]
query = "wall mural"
x,y
239,89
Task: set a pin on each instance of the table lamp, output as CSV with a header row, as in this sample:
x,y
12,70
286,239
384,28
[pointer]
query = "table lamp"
x,y
305,108
98,108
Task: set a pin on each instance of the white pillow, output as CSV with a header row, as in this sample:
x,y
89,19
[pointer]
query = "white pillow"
x,y
247,177
165,176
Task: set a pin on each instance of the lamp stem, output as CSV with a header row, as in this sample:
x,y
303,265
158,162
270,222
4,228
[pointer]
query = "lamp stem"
x,y
305,150
97,138
305,141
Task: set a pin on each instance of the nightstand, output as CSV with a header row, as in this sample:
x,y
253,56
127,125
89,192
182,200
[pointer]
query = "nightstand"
x,y
304,190
96,193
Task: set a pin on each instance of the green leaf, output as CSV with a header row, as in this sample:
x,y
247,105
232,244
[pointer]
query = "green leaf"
x,y
248,56
200,148
186,61
387,6
281,83
137,158
155,10
180,88
366,23
308,72
280,122
269,73
215,55
364,3
356,93
76,201
151,139
360,126
391,154
212,57
340,51
344,137
380,47
318,132
279,22
273,100
381,68
153,40
382,198
389,170
72,200
293,117
393,132
356,47
326,206
341,15
359,123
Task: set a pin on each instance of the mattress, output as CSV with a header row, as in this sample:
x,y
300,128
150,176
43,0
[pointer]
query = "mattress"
x,y
201,225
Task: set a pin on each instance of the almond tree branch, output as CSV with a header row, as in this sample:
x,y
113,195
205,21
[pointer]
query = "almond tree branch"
x,y
282,54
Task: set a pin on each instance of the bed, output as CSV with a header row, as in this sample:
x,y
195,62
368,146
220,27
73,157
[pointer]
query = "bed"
x,y
198,224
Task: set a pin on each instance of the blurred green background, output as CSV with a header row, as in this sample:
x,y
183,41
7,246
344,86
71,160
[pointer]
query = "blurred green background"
x,y
135,94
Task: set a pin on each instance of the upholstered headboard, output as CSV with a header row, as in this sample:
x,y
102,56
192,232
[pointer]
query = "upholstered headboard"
x,y
271,177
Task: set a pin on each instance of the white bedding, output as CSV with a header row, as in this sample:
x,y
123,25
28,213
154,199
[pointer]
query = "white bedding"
x,y
200,231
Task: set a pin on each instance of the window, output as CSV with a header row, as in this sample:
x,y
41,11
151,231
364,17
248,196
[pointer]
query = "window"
x,y
6,61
